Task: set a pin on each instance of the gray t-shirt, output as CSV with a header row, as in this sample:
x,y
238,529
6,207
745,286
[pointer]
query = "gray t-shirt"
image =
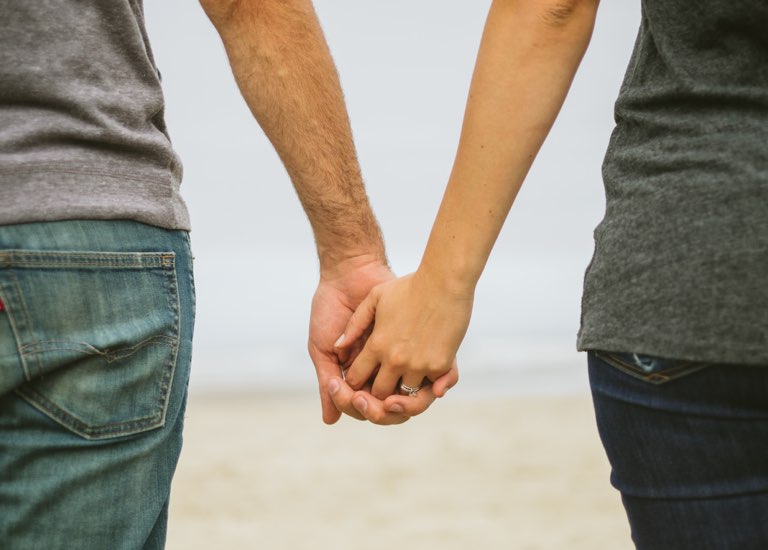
x,y
82,133
681,258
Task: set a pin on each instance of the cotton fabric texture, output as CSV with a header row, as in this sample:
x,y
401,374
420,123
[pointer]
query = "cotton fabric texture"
x,y
681,256
82,132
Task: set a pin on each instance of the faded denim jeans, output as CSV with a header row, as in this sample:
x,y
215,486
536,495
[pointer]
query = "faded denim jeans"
x,y
688,447
95,345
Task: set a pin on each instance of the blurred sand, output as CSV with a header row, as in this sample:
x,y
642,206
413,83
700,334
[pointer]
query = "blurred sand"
x,y
262,471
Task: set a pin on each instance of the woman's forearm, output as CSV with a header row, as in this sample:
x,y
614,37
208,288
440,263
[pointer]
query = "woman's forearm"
x,y
528,56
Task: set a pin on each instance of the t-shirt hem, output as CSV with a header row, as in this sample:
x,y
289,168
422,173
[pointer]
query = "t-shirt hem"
x,y
724,352
46,193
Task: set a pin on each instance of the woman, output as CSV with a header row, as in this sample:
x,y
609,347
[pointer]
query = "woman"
x,y
675,298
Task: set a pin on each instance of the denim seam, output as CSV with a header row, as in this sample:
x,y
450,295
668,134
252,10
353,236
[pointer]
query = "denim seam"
x,y
173,301
70,421
109,355
20,324
53,259
656,378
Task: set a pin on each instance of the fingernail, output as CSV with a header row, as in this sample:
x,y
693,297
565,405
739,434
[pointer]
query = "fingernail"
x,y
334,386
396,408
360,404
339,341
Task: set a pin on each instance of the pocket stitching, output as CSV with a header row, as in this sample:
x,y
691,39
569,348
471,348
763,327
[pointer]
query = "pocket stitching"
x,y
169,268
19,320
72,422
165,261
109,355
656,378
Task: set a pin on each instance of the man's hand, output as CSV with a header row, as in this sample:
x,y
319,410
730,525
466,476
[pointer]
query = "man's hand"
x,y
340,291
338,294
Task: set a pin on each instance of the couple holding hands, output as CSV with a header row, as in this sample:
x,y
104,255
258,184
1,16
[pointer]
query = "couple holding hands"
x,y
673,311
97,294
397,350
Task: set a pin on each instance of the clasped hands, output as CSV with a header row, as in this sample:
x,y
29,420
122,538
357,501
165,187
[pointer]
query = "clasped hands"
x,y
370,333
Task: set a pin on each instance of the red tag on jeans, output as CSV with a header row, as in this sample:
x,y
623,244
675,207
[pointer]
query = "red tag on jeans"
x,y
2,307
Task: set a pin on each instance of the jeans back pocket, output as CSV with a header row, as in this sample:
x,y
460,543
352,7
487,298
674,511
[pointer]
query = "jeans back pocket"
x,y
655,370
97,334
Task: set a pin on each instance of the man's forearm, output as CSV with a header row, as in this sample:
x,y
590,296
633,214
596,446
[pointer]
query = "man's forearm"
x,y
284,69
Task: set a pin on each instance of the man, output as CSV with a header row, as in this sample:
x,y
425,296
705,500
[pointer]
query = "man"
x,y
95,267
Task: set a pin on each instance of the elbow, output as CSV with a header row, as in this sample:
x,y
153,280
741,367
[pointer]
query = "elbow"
x,y
220,11
563,13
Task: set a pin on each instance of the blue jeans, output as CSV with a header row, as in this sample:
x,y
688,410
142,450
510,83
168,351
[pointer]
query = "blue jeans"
x,y
95,347
688,447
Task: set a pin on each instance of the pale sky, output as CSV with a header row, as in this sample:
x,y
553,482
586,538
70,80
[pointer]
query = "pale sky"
x,y
405,68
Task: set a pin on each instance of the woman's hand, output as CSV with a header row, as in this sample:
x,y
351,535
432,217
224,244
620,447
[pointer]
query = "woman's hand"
x,y
340,291
418,325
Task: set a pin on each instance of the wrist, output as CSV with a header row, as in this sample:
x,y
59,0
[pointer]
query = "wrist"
x,y
337,264
453,276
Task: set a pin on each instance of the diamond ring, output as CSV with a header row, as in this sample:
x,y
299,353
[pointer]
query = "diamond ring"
x,y
410,390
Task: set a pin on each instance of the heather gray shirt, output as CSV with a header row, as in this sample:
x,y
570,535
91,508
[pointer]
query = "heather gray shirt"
x,y
81,116
681,258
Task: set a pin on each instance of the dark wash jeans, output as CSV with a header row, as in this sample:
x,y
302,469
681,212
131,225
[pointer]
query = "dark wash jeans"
x,y
95,347
688,447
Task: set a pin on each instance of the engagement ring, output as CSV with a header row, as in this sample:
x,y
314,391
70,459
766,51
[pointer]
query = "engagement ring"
x,y
412,391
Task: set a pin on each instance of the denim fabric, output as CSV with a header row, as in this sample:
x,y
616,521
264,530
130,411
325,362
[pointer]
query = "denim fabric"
x,y
95,347
687,447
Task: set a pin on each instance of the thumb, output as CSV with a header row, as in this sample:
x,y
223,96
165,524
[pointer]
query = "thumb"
x,y
330,413
326,370
360,320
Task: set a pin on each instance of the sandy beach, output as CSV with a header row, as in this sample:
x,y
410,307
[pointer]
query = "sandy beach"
x,y
263,471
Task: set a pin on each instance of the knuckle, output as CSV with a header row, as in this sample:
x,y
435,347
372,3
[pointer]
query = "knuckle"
x,y
375,344
398,358
438,365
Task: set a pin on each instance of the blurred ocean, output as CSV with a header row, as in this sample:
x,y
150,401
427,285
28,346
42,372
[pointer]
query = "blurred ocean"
x,y
253,312
405,68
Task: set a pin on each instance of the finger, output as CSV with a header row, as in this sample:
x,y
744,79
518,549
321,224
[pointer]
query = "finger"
x,y
341,395
446,381
331,413
326,369
385,383
410,406
373,410
362,367
348,355
359,322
